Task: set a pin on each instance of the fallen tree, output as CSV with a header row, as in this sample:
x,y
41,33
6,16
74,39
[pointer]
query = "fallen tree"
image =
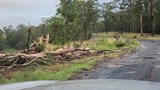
x,y
63,53
39,49
2,55
20,58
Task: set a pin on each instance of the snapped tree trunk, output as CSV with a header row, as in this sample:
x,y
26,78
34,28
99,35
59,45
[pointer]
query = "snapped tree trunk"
x,y
29,33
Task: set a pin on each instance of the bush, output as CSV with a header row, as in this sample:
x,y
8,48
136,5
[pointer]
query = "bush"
x,y
135,37
117,37
133,42
76,45
120,43
40,47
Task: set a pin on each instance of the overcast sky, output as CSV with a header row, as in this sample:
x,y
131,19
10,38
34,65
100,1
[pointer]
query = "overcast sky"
x,y
13,12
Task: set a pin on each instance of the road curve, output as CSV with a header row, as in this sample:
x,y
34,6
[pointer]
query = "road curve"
x,y
142,64
24,85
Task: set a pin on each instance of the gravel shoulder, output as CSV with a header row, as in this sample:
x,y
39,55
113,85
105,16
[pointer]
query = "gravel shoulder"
x,y
141,64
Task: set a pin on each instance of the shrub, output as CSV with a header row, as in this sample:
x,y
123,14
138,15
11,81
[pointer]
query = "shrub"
x,y
117,37
120,43
40,47
133,42
76,45
135,37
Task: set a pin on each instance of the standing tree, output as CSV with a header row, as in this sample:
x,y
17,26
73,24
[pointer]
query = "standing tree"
x,y
2,40
108,16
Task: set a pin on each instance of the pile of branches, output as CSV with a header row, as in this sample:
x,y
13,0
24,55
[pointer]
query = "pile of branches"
x,y
22,59
73,53
32,54
19,59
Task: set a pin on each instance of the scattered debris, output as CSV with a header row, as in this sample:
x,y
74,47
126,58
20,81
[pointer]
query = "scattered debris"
x,y
40,49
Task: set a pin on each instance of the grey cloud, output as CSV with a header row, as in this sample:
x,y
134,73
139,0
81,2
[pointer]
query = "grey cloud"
x,y
24,11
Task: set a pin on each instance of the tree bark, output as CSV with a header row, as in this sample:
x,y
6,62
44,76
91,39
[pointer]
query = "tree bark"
x,y
141,24
130,16
20,59
141,17
152,2
28,39
106,28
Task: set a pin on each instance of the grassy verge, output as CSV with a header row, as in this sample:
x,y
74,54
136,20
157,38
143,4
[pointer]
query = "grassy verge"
x,y
146,36
55,72
62,71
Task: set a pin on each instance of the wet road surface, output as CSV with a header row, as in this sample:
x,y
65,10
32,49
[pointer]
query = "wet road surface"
x,y
24,85
99,84
142,64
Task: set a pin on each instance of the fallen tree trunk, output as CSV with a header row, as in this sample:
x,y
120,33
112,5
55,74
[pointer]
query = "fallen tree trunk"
x,y
38,55
2,55
8,60
20,59
60,54
62,51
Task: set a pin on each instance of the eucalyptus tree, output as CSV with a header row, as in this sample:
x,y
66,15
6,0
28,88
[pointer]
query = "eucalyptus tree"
x,y
108,16
78,17
57,30
154,9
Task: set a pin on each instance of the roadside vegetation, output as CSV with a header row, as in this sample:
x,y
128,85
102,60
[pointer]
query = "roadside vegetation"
x,y
62,69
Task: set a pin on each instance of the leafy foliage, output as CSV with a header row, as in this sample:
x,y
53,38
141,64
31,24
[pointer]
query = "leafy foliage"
x,y
120,43
75,20
40,47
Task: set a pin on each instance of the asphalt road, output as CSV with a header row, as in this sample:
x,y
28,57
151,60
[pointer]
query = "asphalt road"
x,y
24,85
99,84
141,64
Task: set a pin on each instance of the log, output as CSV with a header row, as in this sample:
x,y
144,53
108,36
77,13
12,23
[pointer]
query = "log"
x,y
2,52
78,54
62,51
31,56
20,59
8,60
82,49
2,55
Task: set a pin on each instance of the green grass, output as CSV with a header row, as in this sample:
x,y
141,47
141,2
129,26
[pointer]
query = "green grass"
x,y
146,36
102,44
65,70
104,41
63,74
